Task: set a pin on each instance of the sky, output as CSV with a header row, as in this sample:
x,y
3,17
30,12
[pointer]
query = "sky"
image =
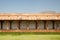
x,y
29,5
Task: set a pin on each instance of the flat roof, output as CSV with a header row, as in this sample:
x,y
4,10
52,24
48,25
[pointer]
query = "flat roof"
x,y
29,16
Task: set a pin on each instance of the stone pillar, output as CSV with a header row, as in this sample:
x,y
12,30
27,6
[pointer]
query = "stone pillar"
x,y
10,24
19,25
44,24
37,25
1,25
53,24
28,25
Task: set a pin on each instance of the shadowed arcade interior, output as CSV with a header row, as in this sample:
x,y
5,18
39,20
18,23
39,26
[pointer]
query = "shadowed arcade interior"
x,y
29,25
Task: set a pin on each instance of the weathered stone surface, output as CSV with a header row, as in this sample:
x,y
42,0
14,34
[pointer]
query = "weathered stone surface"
x,y
37,16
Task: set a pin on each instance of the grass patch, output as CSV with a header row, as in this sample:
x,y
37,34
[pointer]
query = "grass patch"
x,y
29,33
29,36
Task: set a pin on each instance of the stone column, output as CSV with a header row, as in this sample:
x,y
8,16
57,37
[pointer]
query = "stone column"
x,y
1,25
10,24
28,25
19,25
37,28
53,24
46,25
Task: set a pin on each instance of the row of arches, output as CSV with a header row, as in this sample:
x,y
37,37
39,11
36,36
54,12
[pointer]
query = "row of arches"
x,y
29,25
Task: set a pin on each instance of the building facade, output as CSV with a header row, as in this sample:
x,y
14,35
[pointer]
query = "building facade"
x,y
30,22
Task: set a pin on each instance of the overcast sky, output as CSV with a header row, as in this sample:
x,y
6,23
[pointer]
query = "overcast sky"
x,y
29,5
